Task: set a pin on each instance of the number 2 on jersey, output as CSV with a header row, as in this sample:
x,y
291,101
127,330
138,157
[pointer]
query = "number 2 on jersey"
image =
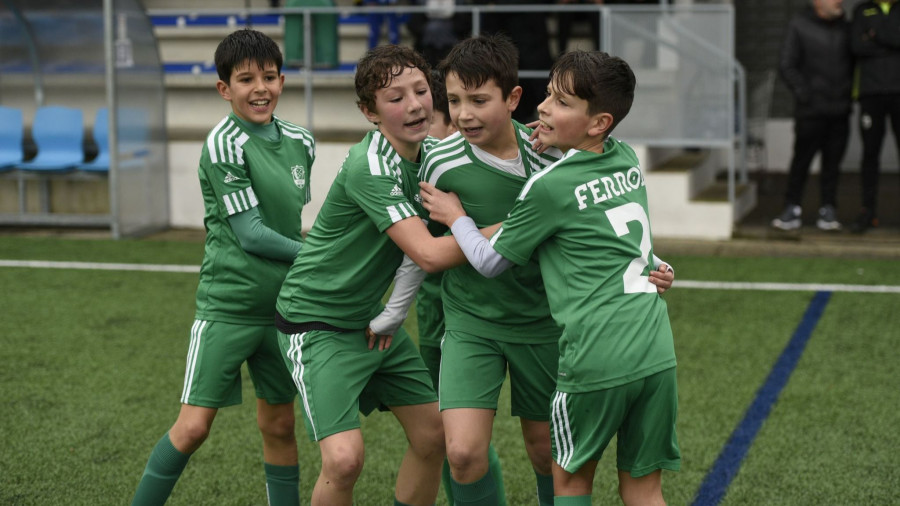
x,y
619,217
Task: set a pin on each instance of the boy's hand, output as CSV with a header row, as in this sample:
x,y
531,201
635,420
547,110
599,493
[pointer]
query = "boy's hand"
x,y
443,207
662,278
384,341
535,142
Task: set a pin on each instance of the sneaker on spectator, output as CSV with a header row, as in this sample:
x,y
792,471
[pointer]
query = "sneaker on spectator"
x,y
864,221
828,219
789,218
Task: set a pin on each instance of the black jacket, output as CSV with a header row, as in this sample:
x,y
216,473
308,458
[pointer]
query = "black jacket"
x,y
875,40
817,65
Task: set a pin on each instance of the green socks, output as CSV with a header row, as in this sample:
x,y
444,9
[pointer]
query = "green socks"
x,y
494,469
480,493
163,469
572,500
545,489
497,473
283,485
447,482
166,464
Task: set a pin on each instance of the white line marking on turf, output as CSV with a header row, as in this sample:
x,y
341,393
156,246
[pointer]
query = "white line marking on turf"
x,y
42,264
785,287
683,283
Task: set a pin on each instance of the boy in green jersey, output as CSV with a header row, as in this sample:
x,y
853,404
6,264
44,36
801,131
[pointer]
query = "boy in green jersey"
x,y
369,219
492,325
585,219
254,175
430,307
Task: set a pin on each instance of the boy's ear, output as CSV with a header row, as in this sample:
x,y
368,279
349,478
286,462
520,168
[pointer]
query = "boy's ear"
x,y
512,101
223,89
371,117
600,124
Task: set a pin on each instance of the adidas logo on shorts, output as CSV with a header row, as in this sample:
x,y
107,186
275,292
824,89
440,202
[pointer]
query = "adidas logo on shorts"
x,y
229,178
396,191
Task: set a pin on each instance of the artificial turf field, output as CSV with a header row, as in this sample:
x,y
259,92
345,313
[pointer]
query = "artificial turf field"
x,y
787,393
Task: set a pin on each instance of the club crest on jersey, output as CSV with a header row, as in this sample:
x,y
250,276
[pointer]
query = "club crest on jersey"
x,y
396,191
230,178
299,174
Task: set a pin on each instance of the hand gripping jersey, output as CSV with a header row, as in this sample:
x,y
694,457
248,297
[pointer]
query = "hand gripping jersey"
x,y
513,306
348,262
586,218
239,171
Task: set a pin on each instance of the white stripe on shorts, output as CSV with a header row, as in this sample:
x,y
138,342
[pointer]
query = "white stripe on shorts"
x,y
562,432
441,367
193,350
295,354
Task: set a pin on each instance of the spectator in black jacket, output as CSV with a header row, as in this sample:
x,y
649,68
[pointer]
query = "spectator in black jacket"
x,y
817,66
875,41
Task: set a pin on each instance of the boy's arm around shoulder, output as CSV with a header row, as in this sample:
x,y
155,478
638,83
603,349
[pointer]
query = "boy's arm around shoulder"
x,y
431,254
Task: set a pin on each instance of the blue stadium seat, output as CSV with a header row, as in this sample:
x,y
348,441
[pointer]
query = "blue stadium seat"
x,y
11,125
101,138
133,139
58,133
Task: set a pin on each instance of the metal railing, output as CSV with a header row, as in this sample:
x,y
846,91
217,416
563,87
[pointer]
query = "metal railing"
x,y
700,95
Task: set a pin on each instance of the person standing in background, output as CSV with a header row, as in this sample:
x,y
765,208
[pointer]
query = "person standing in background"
x,y
875,42
817,66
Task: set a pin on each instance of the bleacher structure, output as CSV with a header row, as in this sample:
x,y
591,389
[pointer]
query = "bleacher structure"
x,y
684,123
65,66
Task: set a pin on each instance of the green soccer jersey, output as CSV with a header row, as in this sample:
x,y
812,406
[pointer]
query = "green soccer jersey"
x,y
348,262
513,306
586,219
239,171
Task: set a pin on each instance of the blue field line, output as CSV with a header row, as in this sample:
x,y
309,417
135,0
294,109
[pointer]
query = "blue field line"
x,y
723,471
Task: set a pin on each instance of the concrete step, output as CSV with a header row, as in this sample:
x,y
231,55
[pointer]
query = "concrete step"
x,y
198,43
688,200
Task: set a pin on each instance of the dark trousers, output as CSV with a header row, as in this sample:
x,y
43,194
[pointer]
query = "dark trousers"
x,y
827,136
873,113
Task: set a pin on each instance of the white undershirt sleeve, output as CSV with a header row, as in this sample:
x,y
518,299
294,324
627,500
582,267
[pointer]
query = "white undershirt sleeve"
x,y
659,261
407,281
478,250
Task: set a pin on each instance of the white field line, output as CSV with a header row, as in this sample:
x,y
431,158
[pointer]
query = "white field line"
x,y
785,287
98,266
679,283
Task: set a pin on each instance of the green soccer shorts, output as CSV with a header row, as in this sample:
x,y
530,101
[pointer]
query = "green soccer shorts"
x,y
212,377
338,377
431,355
473,370
642,413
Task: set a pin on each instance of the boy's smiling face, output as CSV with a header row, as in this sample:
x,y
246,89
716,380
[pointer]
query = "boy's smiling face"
x,y
403,111
253,91
566,123
483,116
